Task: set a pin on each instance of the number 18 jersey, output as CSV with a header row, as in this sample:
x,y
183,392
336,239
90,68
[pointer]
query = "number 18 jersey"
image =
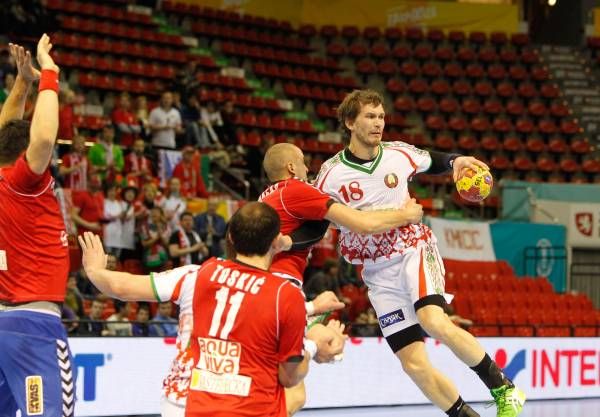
x,y
377,185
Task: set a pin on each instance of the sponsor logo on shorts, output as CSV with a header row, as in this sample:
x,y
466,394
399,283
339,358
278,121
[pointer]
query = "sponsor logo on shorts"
x,y
391,318
3,263
35,395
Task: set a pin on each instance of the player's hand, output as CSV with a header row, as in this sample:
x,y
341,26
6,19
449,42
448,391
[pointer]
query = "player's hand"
x,y
285,242
326,301
23,61
413,211
329,342
338,343
464,162
282,243
93,257
43,54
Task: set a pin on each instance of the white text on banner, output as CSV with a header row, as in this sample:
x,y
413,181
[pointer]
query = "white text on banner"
x,y
464,241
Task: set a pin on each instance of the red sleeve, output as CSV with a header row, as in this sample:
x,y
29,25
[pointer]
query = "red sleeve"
x,y
304,201
292,322
23,180
177,172
66,160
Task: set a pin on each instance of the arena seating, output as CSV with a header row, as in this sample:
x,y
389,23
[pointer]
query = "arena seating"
x,y
501,304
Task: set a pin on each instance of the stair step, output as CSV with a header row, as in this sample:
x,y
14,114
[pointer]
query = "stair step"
x,y
580,92
574,75
583,83
566,66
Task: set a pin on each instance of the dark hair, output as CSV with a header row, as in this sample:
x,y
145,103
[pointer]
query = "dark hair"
x,y
119,305
14,140
186,213
350,108
144,306
253,228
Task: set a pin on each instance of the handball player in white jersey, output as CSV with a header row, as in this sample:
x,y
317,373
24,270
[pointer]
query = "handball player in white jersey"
x,y
402,267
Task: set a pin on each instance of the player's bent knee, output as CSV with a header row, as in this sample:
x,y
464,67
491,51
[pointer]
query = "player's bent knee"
x,y
295,398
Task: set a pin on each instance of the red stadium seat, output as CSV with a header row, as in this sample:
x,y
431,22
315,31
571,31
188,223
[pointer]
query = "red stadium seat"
x,y
512,143
493,106
475,71
458,123
535,144
426,105
490,143
471,106
447,105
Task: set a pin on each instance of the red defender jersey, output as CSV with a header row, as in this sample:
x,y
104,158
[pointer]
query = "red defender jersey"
x,y
295,201
34,253
246,322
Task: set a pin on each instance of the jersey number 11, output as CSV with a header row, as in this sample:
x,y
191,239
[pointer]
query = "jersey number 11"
x,y
235,301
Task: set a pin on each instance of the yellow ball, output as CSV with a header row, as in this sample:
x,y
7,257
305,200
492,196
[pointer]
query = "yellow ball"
x,y
475,186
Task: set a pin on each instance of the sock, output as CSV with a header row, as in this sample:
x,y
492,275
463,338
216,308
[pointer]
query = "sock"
x,y
467,411
454,411
490,374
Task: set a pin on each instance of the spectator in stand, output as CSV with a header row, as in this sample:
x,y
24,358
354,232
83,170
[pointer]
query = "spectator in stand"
x,y
227,132
9,82
185,245
118,323
188,172
325,280
196,128
93,325
211,227
165,123
167,326
7,65
367,324
186,80
66,115
87,210
143,116
114,214
74,166
128,196
126,122
326,248
140,328
73,298
106,158
69,318
174,205
150,199
154,235
137,166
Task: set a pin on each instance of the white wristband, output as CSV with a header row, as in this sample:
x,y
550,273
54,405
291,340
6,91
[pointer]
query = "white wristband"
x,y
310,308
310,347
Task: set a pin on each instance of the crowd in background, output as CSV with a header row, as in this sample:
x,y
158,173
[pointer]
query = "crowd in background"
x,y
112,188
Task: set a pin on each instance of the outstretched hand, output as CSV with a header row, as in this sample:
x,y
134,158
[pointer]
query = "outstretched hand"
x,y
93,257
43,54
326,301
466,162
22,59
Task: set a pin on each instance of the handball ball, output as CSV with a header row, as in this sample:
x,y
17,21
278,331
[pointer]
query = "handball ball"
x,y
475,186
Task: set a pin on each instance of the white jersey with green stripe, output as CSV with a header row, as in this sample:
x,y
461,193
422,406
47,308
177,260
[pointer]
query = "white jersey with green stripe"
x,y
177,286
380,184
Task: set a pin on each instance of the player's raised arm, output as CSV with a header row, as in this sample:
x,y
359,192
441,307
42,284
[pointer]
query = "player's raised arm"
x,y
44,125
121,285
14,106
369,222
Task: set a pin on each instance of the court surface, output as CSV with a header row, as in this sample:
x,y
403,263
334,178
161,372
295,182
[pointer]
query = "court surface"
x,y
538,408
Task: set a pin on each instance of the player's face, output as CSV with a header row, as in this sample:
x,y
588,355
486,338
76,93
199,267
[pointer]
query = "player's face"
x,y
300,168
367,129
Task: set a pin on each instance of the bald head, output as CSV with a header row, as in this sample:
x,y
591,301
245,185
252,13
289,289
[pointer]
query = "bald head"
x,y
283,161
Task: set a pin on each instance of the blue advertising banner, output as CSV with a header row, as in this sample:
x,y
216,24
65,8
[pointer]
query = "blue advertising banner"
x,y
533,249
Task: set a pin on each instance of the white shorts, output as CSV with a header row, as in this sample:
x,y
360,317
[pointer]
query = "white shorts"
x,y
396,285
170,409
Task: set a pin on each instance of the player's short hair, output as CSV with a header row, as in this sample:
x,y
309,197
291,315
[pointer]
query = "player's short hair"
x,y
14,140
350,108
253,228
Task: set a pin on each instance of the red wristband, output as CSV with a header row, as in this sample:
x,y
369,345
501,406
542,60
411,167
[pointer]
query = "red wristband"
x,y
48,80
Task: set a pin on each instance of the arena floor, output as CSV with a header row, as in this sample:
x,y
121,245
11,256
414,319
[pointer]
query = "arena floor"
x,y
539,408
